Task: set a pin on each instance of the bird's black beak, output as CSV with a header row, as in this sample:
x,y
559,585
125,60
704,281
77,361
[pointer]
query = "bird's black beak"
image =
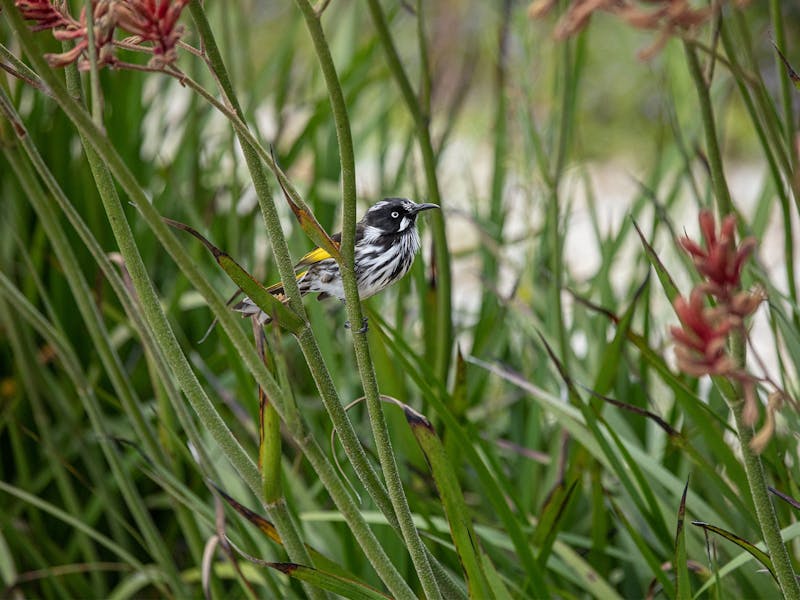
x,y
427,206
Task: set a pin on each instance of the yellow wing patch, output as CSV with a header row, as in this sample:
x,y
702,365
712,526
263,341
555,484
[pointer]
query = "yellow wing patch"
x,y
313,257
278,287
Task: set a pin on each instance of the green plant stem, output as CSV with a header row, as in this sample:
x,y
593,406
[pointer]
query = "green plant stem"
x,y
305,338
718,182
763,133
421,117
270,446
261,184
269,430
754,470
765,512
377,420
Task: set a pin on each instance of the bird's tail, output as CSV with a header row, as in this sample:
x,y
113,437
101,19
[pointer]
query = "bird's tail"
x,y
248,308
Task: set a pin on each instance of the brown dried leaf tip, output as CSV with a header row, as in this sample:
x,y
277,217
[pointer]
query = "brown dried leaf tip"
x,y
151,21
670,17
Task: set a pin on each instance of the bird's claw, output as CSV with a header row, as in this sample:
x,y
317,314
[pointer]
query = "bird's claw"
x,y
364,325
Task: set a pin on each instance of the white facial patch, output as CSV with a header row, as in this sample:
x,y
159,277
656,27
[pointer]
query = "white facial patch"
x,y
372,233
404,223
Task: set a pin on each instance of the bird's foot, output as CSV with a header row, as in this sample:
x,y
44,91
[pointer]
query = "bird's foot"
x,y
364,325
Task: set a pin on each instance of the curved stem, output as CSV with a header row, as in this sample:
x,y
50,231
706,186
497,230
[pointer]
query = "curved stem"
x,y
754,470
765,512
306,340
720,185
379,430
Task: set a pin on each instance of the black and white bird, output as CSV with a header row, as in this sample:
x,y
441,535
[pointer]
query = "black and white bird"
x,y
386,243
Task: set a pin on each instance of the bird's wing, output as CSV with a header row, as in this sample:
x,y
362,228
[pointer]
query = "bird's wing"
x,y
313,257
276,289
318,254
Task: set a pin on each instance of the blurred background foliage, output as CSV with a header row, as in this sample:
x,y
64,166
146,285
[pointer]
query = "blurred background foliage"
x,y
546,151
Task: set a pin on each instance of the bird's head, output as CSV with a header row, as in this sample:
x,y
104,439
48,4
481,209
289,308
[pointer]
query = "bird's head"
x,y
394,215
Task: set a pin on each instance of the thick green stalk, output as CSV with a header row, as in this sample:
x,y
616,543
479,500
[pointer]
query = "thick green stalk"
x,y
366,369
720,186
754,470
270,447
395,582
280,249
270,452
765,512
444,323
306,338
308,344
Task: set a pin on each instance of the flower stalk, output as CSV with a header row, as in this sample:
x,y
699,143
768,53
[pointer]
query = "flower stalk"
x,y
380,432
712,341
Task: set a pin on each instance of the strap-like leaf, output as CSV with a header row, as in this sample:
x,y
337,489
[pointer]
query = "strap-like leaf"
x,y
281,313
754,551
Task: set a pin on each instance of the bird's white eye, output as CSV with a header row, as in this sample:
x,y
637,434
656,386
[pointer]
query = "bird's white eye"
x,y
395,214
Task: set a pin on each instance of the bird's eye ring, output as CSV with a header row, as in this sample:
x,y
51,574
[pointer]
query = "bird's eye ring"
x,y
395,214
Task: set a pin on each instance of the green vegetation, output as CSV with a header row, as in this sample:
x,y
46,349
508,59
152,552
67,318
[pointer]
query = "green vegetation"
x,y
529,415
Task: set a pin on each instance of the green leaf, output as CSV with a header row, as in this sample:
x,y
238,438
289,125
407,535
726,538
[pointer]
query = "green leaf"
x,y
609,366
271,532
343,586
751,549
793,76
646,552
552,514
455,507
664,277
281,313
307,220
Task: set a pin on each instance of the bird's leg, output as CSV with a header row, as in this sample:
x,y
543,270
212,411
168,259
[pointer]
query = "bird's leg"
x,y
364,325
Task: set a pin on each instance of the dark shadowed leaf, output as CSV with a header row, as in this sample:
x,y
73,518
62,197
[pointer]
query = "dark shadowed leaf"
x,y
753,550
246,282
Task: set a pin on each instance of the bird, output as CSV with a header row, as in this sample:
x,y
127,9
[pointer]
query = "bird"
x,y
386,243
